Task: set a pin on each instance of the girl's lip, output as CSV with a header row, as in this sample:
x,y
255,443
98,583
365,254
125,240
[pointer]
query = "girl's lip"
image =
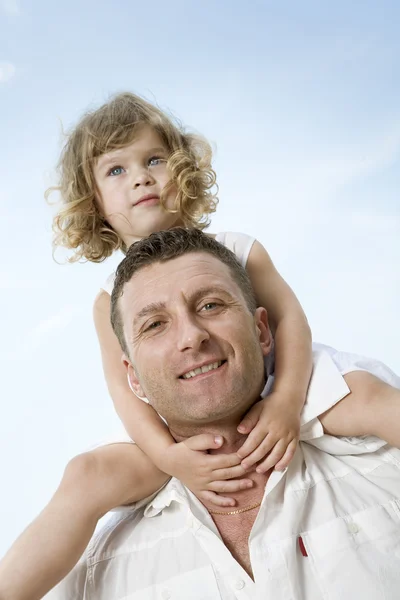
x,y
146,198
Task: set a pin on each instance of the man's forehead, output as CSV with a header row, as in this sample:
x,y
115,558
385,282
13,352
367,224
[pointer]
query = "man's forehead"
x,y
176,278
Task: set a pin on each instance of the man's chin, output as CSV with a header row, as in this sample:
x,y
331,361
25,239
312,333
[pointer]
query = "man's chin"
x,y
207,409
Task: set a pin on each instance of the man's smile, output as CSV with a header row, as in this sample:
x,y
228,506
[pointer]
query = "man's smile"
x,y
201,370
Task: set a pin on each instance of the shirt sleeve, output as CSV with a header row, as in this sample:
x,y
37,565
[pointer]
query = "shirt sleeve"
x,y
312,430
108,285
327,387
239,243
347,363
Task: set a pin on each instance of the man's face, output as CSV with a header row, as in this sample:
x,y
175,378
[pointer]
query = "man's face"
x,y
196,351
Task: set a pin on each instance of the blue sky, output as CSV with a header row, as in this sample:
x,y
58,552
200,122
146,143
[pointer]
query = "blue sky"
x,y
301,101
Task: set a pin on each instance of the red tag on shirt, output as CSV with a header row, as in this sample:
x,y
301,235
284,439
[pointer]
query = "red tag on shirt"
x,y
302,547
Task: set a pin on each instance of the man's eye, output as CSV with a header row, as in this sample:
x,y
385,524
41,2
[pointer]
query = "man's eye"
x,y
153,325
115,171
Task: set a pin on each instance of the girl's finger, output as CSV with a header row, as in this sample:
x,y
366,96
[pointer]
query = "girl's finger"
x,y
254,439
228,473
204,441
251,419
287,457
222,461
233,485
217,500
260,452
274,456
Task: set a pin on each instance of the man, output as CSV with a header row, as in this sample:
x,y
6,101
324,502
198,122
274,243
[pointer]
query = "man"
x,y
329,527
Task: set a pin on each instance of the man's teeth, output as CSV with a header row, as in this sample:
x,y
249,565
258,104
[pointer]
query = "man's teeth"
x,y
204,369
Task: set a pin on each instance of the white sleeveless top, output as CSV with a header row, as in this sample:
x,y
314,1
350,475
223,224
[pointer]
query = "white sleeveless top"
x,y
239,243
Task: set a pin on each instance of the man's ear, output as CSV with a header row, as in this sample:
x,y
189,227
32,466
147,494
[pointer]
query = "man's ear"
x,y
264,332
133,380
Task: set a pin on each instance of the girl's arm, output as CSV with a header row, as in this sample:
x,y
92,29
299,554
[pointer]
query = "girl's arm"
x,y
372,407
292,333
275,423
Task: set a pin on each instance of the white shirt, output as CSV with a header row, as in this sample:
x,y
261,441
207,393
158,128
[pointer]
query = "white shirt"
x,y
341,496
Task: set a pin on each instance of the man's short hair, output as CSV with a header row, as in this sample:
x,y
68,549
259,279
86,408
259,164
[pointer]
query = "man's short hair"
x,y
167,245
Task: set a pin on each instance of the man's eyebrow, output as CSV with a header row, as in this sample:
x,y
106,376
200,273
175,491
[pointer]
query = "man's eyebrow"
x,y
208,291
154,307
148,310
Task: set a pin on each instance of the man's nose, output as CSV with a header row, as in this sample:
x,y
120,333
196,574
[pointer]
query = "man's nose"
x,y
191,334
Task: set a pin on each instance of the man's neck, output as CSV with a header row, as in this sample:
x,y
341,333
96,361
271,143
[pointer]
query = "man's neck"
x,y
232,441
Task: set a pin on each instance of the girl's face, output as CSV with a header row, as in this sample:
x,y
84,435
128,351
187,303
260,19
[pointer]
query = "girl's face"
x,y
129,183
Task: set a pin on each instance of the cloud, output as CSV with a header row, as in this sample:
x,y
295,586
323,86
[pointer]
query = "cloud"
x,y
7,71
10,7
315,176
54,323
8,283
375,223
363,161
38,335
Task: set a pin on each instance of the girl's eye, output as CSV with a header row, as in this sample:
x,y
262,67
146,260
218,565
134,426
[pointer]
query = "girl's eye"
x,y
156,161
209,306
115,171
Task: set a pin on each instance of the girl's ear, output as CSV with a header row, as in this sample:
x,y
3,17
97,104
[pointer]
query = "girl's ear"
x,y
133,380
264,332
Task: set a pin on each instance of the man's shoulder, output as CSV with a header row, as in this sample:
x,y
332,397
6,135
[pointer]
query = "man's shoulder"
x,y
105,544
134,520
125,538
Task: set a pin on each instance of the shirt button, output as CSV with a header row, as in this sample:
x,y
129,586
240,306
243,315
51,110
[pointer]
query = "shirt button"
x,y
354,528
239,584
166,594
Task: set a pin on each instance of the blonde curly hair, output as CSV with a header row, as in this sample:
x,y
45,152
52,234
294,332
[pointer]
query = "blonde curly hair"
x,y
79,224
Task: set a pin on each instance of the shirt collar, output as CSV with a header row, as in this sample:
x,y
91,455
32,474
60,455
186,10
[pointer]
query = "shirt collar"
x,y
173,491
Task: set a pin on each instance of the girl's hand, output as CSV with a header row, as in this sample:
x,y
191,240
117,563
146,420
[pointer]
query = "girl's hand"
x,y
207,475
273,427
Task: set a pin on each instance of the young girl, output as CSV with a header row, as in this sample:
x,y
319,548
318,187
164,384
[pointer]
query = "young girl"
x,y
128,170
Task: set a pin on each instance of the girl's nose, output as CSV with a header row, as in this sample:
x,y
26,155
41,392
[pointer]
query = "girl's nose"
x,y
143,178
